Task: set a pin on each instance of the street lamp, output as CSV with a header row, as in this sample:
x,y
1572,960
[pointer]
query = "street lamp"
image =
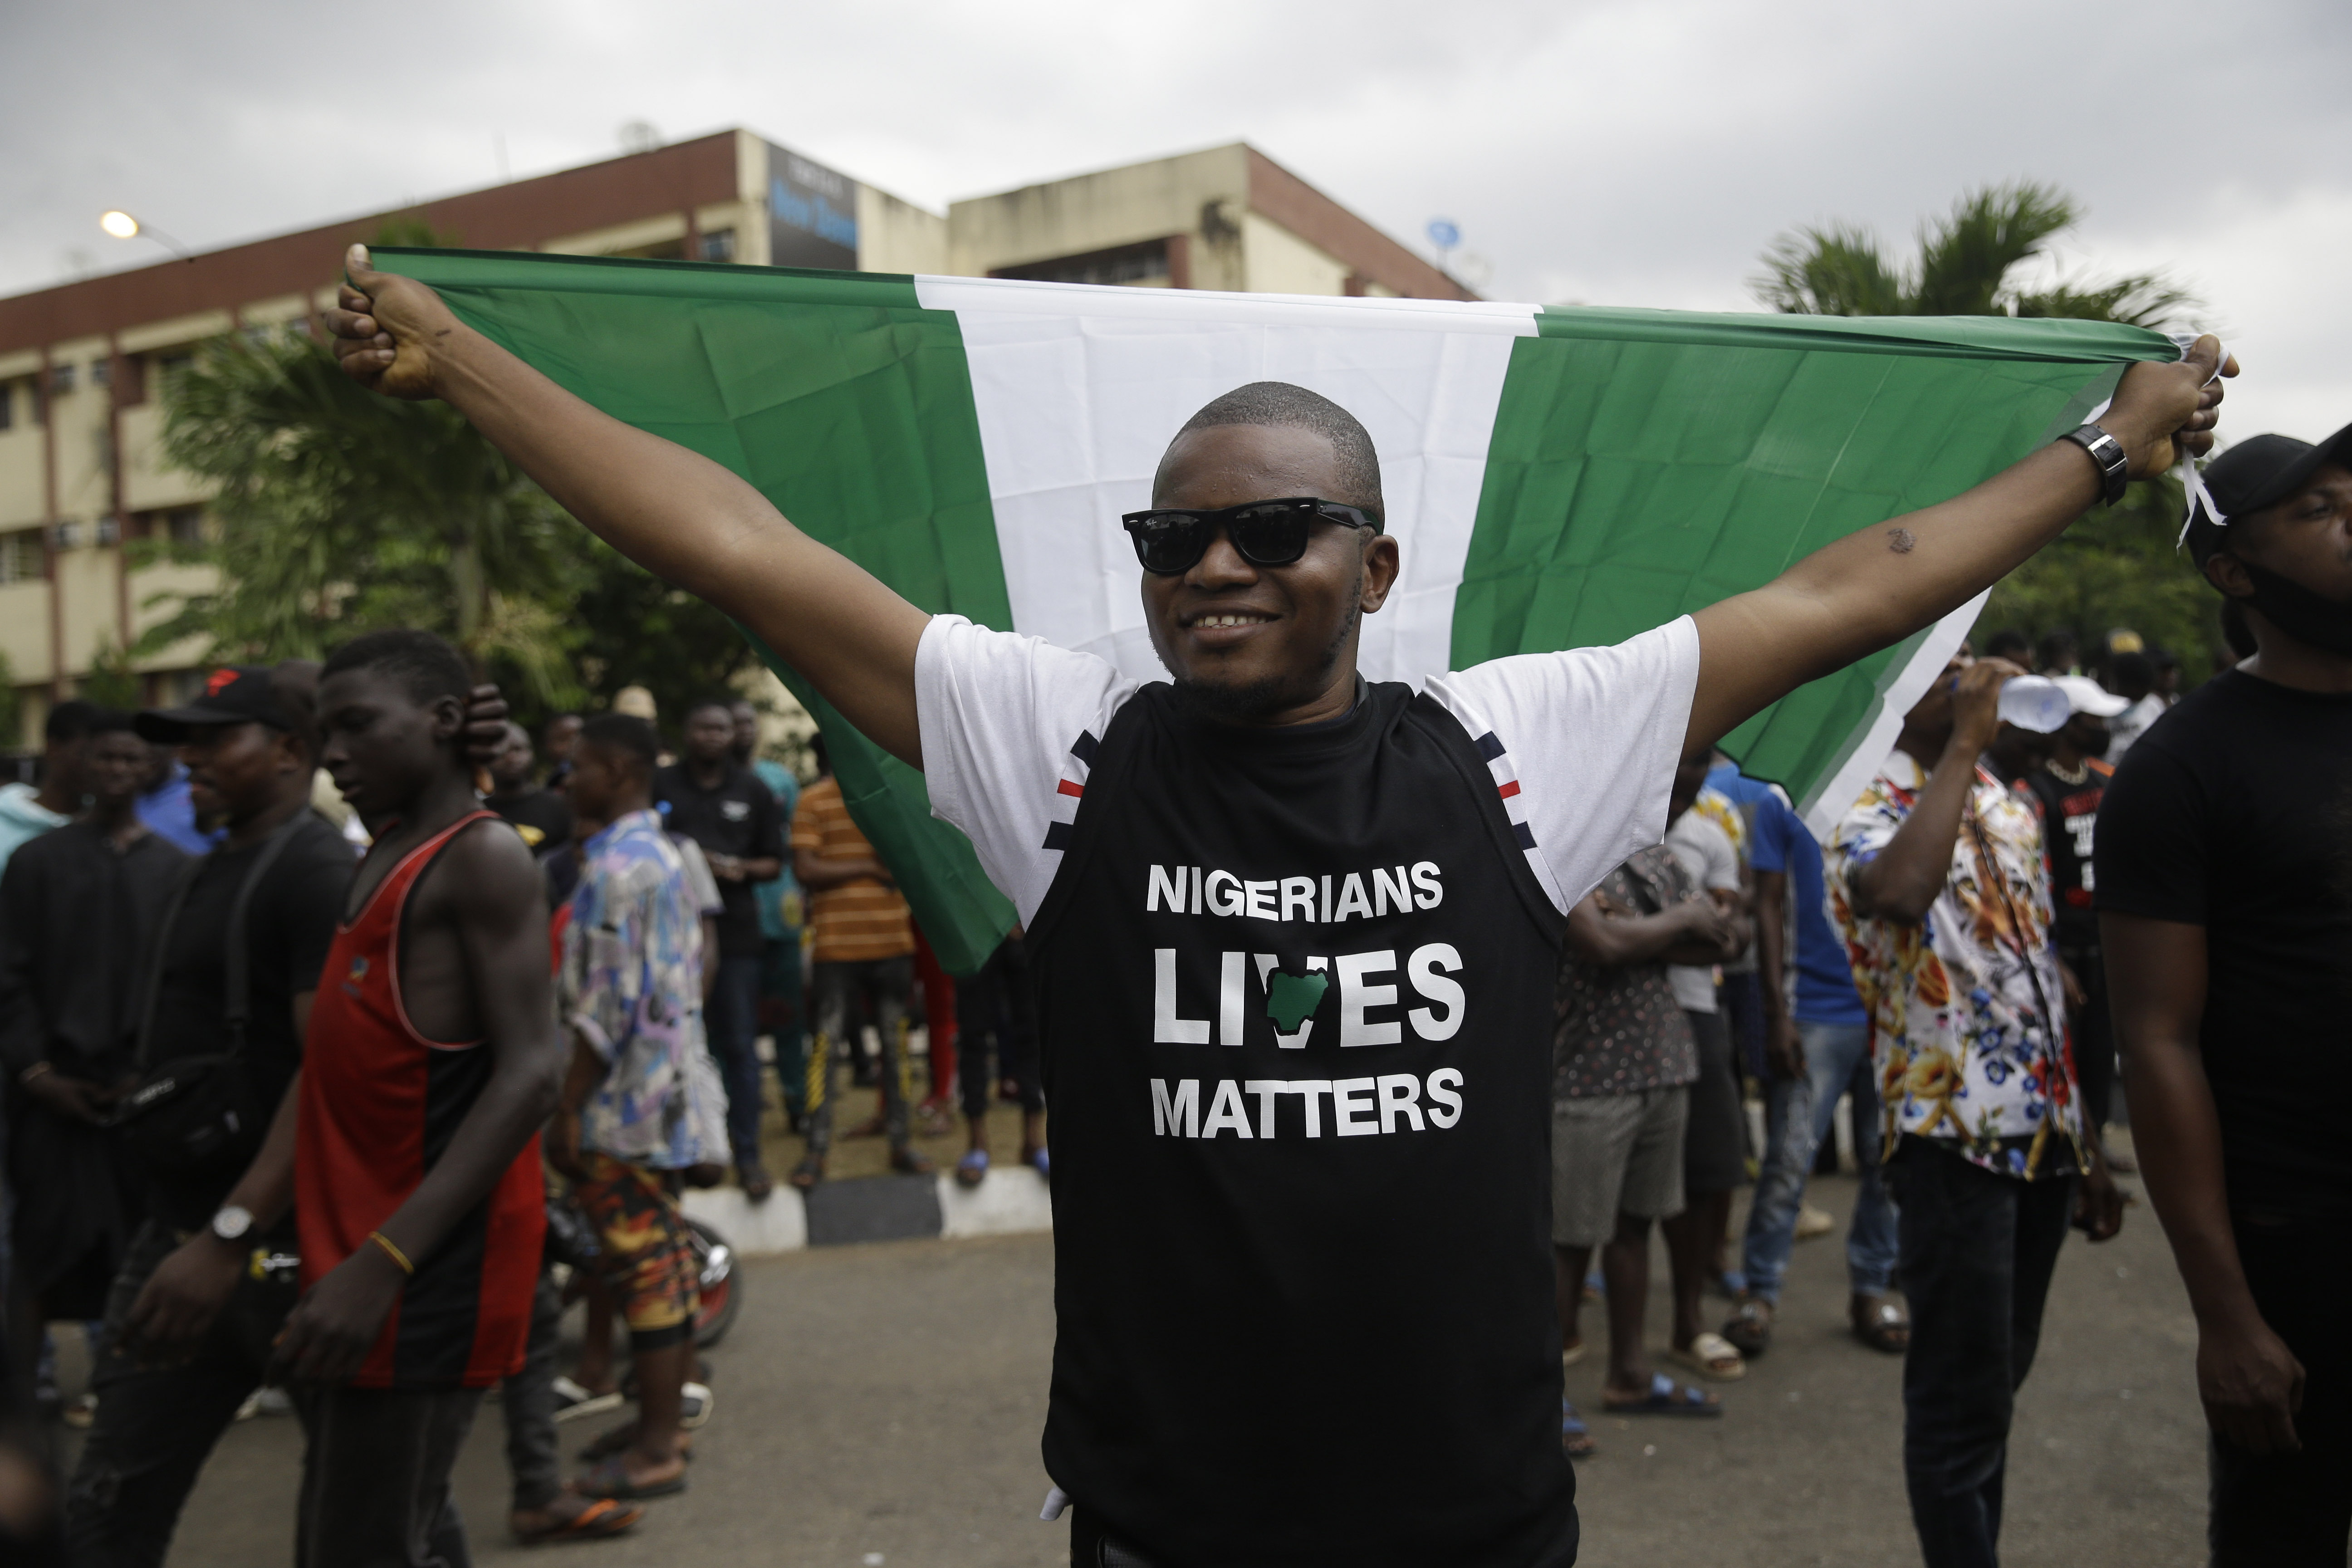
x,y
122,226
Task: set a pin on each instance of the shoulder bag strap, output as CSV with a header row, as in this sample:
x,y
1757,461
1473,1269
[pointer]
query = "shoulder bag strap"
x,y
153,986
239,988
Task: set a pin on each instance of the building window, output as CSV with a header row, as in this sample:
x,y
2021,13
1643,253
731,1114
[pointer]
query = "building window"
x,y
1142,266
719,245
21,557
101,373
185,525
7,405
60,378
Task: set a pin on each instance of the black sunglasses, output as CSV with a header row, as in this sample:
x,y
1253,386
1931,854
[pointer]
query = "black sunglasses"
x,y
1267,533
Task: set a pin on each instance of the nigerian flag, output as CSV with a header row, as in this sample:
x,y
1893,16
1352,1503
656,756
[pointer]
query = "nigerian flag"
x,y
1556,477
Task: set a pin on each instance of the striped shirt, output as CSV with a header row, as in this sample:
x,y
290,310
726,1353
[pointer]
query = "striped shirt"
x,y
856,920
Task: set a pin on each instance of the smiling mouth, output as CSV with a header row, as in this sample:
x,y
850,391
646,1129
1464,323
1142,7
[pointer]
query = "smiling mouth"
x,y
1229,618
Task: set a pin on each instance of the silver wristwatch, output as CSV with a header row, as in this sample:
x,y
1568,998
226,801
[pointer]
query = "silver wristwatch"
x,y
232,1221
2115,463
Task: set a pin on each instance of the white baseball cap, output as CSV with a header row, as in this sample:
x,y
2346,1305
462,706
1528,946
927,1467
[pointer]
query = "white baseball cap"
x,y
2084,695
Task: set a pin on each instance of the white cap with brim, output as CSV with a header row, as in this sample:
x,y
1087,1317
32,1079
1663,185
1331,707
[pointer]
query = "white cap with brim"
x,y
2084,695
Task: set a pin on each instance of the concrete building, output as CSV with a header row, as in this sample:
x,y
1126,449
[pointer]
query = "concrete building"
x,y
83,365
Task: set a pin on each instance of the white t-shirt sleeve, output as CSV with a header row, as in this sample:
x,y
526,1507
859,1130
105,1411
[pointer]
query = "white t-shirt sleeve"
x,y
1582,745
1705,852
1009,727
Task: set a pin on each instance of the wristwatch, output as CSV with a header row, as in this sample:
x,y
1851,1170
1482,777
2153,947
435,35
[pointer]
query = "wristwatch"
x,y
232,1221
2115,467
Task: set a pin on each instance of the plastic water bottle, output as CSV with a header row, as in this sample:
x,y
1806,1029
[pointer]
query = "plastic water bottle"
x,y
2035,702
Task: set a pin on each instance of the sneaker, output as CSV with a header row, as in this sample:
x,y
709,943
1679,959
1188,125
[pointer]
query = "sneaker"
x,y
266,1401
693,1406
1813,1222
80,1412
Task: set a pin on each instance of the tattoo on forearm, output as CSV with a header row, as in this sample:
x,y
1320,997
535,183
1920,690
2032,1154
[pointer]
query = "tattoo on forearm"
x,y
1901,540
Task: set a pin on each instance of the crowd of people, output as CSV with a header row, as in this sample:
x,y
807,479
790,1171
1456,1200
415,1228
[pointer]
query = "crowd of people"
x,y
1301,1318
544,991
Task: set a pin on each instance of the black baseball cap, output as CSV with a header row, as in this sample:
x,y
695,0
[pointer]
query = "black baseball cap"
x,y
233,694
2257,474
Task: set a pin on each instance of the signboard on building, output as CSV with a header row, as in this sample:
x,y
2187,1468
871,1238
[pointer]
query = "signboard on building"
x,y
812,214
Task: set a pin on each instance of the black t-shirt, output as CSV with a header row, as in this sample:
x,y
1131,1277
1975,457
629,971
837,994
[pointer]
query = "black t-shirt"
x,y
1294,998
2234,813
543,815
289,925
739,819
2070,819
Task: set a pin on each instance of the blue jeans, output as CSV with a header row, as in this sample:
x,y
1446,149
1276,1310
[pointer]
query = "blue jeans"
x,y
1977,1251
731,1019
1797,1115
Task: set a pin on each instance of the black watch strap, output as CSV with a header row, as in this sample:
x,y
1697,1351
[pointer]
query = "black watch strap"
x,y
2115,466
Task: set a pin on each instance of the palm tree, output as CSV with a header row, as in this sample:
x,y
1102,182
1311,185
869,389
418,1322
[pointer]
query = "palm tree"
x,y
338,512
2115,568
1964,267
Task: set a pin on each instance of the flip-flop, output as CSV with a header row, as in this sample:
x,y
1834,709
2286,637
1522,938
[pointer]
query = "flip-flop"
x,y
1039,1161
1575,1437
574,1401
1665,1397
1712,1357
1884,1328
1573,1353
618,1439
601,1520
610,1479
972,1169
807,1174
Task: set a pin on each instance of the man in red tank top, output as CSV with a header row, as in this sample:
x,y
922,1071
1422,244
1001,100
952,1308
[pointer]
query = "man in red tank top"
x,y
430,1064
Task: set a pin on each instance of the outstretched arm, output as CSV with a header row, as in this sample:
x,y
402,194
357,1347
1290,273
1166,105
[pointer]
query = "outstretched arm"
x,y
678,514
501,925
1872,589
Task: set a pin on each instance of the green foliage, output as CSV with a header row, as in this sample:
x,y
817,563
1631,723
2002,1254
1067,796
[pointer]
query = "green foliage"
x,y
2113,569
340,513
1964,267
637,630
111,682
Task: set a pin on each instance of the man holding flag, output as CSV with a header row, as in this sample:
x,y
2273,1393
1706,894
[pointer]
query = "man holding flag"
x,y
1292,933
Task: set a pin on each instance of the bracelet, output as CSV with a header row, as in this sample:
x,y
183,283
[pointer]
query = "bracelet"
x,y
392,1252
2114,463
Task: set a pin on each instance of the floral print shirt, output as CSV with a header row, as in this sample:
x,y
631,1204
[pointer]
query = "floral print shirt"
x,y
1620,1029
1962,1038
630,983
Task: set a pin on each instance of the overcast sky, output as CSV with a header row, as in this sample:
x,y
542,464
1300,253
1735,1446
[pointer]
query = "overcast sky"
x,y
1606,152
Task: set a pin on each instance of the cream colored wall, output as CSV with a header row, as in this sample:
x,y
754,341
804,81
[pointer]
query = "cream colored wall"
x,y
1114,207
178,332
899,236
1277,261
88,588
148,482
145,585
25,630
84,440
21,501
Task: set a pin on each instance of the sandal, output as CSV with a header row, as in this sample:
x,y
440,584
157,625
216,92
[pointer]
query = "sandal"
x,y
1750,1332
1575,1437
1038,1160
600,1521
808,1173
1664,1396
753,1178
972,1169
1712,1357
1882,1326
610,1479
1571,1354
574,1401
618,1439
912,1162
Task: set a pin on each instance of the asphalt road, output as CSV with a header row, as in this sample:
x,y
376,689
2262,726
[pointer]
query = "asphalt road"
x,y
881,1404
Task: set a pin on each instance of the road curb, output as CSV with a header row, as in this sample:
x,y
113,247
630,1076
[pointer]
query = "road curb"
x,y
876,1208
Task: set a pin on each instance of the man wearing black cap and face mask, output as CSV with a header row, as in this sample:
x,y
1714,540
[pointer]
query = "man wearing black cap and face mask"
x,y
2224,891
196,1305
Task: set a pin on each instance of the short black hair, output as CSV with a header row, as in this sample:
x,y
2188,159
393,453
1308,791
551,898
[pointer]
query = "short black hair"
x,y
2010,645
624,735
724,703
426,668
69,720
1278,403
2132,670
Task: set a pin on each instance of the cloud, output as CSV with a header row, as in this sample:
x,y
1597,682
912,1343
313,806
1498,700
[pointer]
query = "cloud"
x,y
1617,153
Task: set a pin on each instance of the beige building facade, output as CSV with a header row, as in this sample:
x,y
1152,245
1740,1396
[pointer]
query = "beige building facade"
x,y
83,366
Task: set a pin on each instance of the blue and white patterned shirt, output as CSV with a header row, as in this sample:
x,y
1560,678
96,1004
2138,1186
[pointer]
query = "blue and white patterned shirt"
x,y
631,986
